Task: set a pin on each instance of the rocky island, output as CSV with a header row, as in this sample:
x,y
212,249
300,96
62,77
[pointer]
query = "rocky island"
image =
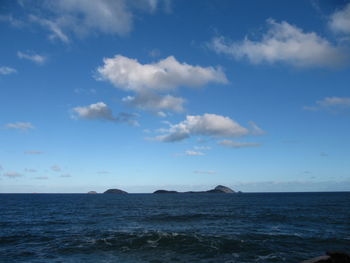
x,y
114,191
220,189
92,192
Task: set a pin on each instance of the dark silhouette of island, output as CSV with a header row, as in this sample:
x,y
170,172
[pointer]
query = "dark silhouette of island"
x,y
220,189
92,192
114,191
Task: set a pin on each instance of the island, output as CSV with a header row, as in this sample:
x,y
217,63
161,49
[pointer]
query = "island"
x,y
114,191
92,192
220,189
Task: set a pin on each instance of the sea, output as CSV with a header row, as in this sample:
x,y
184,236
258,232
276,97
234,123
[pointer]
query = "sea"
x,y
248,227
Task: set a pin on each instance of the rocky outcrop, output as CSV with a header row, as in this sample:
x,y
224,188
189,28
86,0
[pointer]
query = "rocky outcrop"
x,y
330,257
92,192
115,191
220,189
165,192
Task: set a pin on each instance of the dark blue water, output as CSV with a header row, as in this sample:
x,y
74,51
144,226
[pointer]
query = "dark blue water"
x,y
286,227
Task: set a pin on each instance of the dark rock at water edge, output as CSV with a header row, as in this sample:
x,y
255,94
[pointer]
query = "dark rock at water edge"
x,y
330,257
220,189
115,191
165,192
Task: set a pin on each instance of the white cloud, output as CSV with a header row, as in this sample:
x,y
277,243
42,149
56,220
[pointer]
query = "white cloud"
x,y
7,70
155,102
24,126
284,43
194,153
164,75
205,172
340,20
100,111
80,17
13,21
12,174
39,59
56,168
233,144
150,81
330,103
33,152
208,125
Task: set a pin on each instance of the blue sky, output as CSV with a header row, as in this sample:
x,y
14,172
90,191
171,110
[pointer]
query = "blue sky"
x,y
178,94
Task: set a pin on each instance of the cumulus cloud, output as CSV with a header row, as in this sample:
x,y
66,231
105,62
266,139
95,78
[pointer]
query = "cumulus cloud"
x,y
56,168
82,18
39,59
151,81
205,172
24,126
330,103
12,174
284,43
164,75
207,125
33,152
237,145
100,111
7,70
194,153
340,20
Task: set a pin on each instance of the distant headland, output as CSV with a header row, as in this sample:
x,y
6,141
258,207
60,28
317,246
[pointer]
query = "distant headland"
x,y
220,189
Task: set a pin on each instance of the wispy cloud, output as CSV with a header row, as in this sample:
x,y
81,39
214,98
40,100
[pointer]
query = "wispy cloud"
x,y
30,170
24,126
284,43
100,111
33,152
194,153
205,172
36,58
7,70
237,145
41,178
81,18
331,104
12,174
56,168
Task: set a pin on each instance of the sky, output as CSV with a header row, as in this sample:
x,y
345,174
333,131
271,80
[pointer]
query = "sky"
x,y
174,94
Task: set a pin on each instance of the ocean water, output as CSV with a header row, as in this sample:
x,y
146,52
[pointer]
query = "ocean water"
x,y
269,227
